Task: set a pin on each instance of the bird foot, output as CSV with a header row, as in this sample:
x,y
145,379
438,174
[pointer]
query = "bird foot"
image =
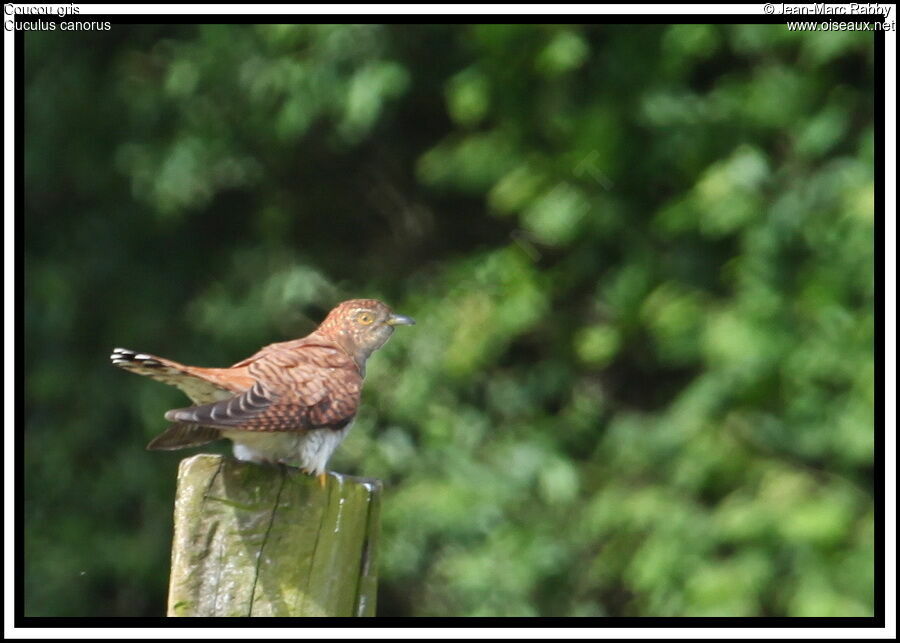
x,y
321,478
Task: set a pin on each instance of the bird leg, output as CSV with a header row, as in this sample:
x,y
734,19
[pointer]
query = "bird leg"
x,y
323,479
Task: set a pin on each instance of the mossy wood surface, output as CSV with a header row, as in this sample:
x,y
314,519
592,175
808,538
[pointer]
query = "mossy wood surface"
x,y
254,540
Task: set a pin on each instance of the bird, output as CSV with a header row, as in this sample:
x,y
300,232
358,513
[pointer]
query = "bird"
x,y
291,402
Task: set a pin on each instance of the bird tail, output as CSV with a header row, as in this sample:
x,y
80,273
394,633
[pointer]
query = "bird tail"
x,y
144,364
182,436
197,383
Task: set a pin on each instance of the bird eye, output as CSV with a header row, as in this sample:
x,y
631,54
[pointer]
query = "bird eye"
x,y
365,318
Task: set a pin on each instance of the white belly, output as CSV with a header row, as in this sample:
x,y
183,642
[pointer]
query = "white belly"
x,y
308,450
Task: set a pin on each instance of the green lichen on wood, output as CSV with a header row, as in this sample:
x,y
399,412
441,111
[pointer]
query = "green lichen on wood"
x,y
253,540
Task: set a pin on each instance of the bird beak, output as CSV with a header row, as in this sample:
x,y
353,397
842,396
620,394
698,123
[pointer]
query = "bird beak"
x,y
400,320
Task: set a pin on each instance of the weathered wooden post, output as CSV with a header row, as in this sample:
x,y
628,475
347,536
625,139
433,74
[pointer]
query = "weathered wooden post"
x,y
254,540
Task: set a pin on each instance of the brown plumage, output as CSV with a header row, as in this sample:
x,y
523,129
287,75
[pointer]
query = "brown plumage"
x,y
291,402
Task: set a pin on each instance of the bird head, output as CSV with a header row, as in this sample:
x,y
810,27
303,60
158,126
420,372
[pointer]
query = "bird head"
x,y
362,326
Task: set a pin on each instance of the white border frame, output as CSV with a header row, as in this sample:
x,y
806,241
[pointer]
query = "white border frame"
x,y
890,344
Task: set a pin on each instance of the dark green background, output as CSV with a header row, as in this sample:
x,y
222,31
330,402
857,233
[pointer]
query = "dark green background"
x,y
641,259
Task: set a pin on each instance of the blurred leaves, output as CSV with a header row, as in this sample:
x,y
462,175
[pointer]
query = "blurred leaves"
x,y
640,258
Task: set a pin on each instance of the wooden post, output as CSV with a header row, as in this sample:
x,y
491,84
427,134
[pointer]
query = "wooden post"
x,y
256,540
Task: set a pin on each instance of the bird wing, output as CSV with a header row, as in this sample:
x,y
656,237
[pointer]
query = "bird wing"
x,y
294,390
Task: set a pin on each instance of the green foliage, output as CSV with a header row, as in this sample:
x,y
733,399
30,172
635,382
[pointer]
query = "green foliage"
x,y
641,259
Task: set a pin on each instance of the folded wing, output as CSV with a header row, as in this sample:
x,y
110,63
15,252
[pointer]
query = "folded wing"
x,y
293,391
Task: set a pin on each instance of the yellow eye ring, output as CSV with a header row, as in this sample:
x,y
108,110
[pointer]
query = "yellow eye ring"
x,y
365,318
